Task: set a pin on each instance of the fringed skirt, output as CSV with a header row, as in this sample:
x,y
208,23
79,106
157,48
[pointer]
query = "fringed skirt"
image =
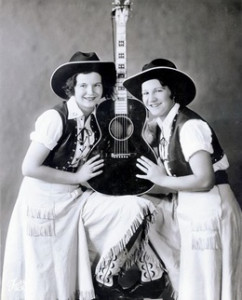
x,y
46,255
53,231
211,245
110,223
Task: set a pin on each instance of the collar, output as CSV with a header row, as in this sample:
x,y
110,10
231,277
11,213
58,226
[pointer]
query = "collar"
x,y
74,111
167,123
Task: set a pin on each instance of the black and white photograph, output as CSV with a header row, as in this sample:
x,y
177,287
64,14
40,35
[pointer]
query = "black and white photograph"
x,y
121,166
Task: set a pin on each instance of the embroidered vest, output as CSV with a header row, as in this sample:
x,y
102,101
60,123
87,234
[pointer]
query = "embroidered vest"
x,y
61,156
177,164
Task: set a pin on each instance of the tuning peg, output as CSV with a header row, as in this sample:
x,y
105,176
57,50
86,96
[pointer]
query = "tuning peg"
x,y
117,2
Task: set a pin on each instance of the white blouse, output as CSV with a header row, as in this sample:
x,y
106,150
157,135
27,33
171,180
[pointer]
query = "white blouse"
x,y
195,135
49,127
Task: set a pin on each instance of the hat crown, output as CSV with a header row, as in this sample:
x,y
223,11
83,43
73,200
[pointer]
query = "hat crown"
x,y
84,57
159,62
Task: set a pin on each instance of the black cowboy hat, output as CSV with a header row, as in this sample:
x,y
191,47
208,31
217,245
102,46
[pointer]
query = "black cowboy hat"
x,y
167,72
79,63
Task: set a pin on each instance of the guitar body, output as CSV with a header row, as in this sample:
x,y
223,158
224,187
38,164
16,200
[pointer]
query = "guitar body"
x,y
120,144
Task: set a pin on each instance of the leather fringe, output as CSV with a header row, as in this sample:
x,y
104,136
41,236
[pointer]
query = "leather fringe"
x,y
208,224
205,234
40,221
211,242
168,292
44,229
41,212
121,246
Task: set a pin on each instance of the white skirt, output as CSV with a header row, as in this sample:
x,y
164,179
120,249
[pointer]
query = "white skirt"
x,y
200,243
46,256
211,245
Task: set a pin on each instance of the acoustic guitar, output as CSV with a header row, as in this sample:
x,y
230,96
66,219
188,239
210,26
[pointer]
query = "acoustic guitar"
x,y
121,124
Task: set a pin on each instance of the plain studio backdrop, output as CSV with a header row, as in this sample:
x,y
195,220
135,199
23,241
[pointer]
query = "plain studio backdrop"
x,y
203,38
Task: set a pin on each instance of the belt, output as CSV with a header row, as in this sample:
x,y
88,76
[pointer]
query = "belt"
x,y
221,177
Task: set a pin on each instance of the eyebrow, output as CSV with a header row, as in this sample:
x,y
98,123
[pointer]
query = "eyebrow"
x,y
83,82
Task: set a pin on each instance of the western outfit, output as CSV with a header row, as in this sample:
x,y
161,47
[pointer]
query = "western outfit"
x,y
199,234
57,232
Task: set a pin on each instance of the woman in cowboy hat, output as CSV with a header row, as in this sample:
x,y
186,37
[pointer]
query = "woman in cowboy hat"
x,y
193,167
57,222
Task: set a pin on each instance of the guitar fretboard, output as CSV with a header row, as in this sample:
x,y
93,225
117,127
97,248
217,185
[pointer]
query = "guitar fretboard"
x,y
121,62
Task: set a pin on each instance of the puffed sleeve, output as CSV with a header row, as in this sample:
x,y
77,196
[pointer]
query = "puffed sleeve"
x,y
195,135
48,129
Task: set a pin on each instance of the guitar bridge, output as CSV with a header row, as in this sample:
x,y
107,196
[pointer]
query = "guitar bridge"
x,y
120,155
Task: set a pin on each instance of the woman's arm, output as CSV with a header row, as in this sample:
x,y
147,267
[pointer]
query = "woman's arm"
x,y
157,189
33,167
202,178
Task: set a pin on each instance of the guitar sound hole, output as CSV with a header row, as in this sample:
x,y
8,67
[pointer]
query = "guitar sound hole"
x,y
121,128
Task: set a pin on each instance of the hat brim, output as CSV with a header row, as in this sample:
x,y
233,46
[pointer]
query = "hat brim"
x,y
182,83
64,72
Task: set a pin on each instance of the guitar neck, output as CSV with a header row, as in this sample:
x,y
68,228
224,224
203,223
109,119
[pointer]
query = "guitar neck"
x,y
121,67
121,17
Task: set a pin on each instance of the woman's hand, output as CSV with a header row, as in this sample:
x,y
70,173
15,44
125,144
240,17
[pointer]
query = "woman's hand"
x,y
33,167
202,177
90,169
152,171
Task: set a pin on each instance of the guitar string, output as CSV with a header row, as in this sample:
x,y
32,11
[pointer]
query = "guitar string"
x,y
120,129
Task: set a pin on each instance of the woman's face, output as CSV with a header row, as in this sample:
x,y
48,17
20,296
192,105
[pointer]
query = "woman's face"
x,y
157,98
88,91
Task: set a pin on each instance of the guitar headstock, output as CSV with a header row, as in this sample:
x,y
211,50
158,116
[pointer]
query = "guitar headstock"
x,y
121,11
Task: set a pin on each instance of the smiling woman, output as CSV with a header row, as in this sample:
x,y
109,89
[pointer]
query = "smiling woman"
x,y
88,91
46,216
192,166
59,222
157,97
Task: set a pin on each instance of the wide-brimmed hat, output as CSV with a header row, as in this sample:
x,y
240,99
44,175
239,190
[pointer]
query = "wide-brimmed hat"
x,y
166,71
82,62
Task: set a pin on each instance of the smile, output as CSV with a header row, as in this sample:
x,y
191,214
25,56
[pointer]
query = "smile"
x,y
155,105
90,98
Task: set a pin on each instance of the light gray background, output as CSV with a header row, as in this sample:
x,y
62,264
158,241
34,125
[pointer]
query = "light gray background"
x,y
202,37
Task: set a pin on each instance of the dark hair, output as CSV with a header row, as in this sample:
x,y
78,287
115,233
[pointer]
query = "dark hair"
x,y
68,87
169,85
